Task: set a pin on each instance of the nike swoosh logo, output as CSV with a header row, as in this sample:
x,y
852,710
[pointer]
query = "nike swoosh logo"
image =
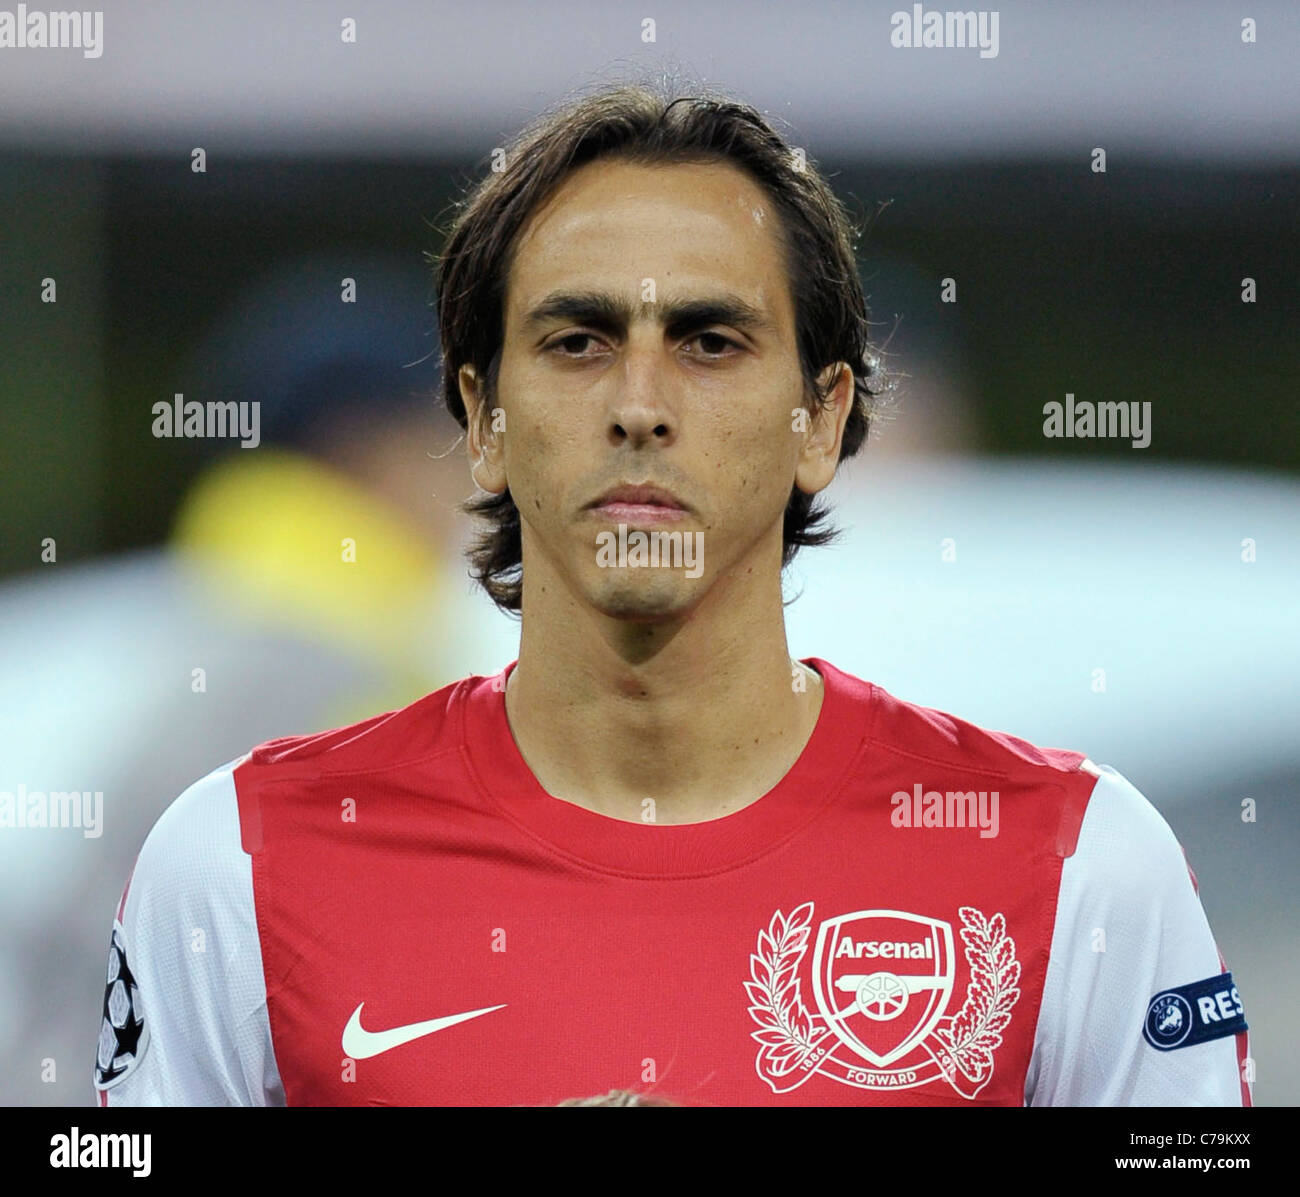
x,y
360,1044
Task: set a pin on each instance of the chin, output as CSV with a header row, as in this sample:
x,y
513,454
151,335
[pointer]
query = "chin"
x,y
641,596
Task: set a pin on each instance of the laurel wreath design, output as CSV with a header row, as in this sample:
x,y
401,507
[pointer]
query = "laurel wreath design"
x,y
786,1031
975,1032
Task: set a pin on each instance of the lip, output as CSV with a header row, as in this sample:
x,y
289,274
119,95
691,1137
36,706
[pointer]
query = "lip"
x,y
639,504
637,513
638,498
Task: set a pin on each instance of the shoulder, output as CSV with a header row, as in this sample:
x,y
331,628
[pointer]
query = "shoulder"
x,y
430,725
191,887
1126,849
194,848
921,732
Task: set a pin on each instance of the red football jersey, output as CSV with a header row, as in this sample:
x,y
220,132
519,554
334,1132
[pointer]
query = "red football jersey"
x,y
920,913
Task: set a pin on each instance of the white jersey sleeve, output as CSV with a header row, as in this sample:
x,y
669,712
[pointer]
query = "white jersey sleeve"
x,y
1137,1009
185,1017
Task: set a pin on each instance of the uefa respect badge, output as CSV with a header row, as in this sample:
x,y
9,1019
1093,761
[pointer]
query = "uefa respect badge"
x,y
1195,1013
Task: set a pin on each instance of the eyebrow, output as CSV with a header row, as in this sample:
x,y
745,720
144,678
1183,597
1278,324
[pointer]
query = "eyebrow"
x,y
612,313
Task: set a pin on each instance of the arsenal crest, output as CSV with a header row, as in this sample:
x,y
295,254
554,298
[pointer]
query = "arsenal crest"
x,y
882,981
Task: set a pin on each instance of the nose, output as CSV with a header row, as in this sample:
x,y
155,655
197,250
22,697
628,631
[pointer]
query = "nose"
x,y
642,407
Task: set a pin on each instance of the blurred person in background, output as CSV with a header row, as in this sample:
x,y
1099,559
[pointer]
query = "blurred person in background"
x,y
129,675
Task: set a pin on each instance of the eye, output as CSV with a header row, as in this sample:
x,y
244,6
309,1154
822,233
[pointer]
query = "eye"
x,y
568,340
718,340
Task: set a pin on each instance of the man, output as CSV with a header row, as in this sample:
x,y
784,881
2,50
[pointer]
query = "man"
x,y
655,853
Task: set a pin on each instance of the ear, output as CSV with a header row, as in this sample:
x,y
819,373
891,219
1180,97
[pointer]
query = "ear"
x,y
484,435
819,455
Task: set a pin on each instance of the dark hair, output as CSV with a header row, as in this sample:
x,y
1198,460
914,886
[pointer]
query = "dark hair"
x,y
633,123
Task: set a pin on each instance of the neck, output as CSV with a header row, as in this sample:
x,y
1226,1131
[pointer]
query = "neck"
x,y
704,715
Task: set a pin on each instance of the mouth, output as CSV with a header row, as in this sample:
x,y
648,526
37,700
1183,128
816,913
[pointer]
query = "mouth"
x,y
638,504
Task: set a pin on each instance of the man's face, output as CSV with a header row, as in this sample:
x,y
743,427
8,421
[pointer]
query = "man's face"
x,y
699,404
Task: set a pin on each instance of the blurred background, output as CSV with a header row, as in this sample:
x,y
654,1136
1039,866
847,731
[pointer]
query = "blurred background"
x,y
163,602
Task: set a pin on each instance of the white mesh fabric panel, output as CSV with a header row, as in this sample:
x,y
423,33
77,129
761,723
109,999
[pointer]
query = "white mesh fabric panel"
x,y
1128,879
192,944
